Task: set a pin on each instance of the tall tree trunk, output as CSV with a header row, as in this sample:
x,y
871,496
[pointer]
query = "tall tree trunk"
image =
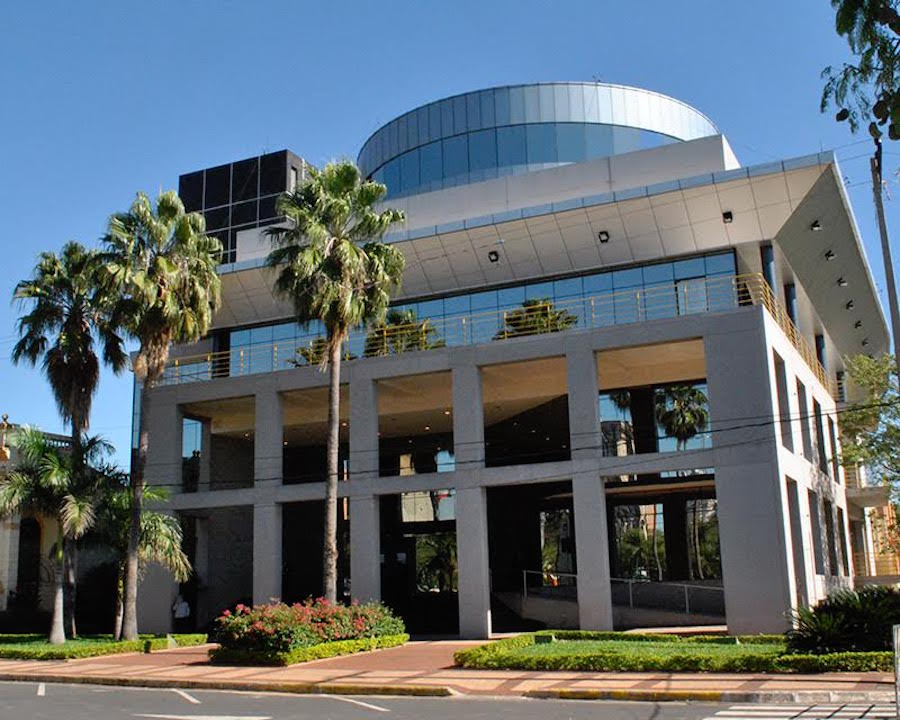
x,y
120,582
329,547
70,590
877,190
138,464
57,628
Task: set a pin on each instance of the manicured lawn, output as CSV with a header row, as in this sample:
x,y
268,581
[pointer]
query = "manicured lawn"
x,y
36,647
583,648
621,652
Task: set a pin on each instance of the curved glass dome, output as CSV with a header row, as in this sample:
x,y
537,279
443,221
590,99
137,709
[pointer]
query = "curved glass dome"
x,y
514,129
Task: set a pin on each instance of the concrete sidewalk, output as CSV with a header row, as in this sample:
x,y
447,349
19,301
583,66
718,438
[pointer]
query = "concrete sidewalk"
x,y
426,668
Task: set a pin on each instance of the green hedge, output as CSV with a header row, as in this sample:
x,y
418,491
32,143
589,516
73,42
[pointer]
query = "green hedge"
x,y
508,655
36,647
228,656
662,637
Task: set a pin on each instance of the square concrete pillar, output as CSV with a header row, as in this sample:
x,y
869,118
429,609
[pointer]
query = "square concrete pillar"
x,y
365,548
584,416
754,533
164,460
592,552
266,552
268,437
468,418
156,596
474,566
205,474
363,429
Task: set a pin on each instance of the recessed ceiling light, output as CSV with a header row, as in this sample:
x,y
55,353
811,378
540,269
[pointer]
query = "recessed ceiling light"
x,y
815,226
428,427
841,282
849,305
284,443
343,423
493,256
446,412
728,217
857,324
829,255
603,237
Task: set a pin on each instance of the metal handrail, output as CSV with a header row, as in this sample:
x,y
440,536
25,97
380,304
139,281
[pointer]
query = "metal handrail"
x,y
543,574
686,588
689,297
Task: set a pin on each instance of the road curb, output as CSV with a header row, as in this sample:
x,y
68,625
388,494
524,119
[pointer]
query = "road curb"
x,y
716,696
258,686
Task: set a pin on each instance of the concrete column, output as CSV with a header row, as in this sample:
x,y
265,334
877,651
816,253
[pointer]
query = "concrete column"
x,y
592,551
205,456
363,429
365,548
820,351
468,417
584,421
790,301
201,569
767,256
676,539
474,566
156,595
164,461
752,507
268,437
266,552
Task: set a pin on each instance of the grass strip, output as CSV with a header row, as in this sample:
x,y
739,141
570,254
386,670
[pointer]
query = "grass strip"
x,y
36,647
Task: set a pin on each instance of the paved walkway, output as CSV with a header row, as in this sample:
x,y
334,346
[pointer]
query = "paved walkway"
x,y
429,664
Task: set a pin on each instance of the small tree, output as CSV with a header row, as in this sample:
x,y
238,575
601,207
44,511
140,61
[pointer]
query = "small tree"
x,y
45,483
401,332
536,317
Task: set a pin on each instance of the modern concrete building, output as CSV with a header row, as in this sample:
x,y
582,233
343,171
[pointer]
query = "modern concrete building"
x,y
623,407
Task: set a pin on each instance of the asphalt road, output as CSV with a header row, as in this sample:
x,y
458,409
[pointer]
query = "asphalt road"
x,y
28,700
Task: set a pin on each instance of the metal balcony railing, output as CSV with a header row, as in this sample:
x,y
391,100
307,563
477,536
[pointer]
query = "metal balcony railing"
x,y
669,300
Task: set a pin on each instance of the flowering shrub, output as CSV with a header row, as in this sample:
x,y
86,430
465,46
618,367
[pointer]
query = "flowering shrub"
x,y
281,628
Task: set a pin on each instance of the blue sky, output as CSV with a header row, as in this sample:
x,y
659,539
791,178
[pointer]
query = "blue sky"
x,y
101,99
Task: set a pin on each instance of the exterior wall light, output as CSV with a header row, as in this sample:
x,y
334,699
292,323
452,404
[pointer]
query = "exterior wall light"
x,y
829,255
493,256
850,304
865,342
857,324
603,237
815,226
728,217
841,282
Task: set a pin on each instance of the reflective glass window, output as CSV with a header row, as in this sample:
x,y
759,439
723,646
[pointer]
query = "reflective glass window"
x,y
409,170
511,148
392,176
458,305
570,142
403,140
412,130
473,111
627,278
284,331
535,291
482,150
516,105
594,284
431,309
484,301
486,99
422,124
446,118
459,114
547,103
625,140
239,337
532,101
261,335
691,268
501,106
561,101
430,167
720,264
456,156
570,287
659,273
541,144
510,297
434,121
598,141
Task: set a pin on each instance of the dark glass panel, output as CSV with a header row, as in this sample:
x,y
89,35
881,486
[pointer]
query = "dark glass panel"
x,y
244,177
511,146
482,150
216,219
570,142
598,141
273,173
430,167
190,190
243,213
409,170
456,156
218,185
267,207
541,142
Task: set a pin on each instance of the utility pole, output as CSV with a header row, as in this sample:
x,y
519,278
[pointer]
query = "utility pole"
x,y
878,192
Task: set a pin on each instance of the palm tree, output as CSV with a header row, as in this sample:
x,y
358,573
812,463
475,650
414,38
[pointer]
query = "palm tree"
x,y
160,540
331,265
400,332
162,266
45,483
314,352
68,317
536,317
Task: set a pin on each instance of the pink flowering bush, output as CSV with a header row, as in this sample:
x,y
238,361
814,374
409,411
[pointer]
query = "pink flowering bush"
x,y
281,628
